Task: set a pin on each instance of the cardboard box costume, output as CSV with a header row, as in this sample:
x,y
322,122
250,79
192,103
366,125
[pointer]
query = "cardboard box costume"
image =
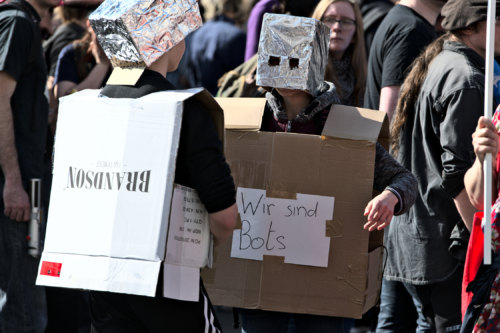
x,y
338,164
113,199
300,245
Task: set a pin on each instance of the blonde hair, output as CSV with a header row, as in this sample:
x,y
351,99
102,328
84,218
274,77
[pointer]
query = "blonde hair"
x,y
358,56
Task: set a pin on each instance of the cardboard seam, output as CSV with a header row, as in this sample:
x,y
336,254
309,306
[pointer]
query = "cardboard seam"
x,y
101,256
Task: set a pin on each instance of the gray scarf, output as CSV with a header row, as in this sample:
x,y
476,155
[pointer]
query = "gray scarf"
x,y
326,95
345,78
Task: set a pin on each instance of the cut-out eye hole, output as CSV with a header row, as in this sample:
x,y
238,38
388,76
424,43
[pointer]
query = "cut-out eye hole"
x,y
294,63
273,61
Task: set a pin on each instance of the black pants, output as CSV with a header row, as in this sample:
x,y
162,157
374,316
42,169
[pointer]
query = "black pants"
x,y
122,313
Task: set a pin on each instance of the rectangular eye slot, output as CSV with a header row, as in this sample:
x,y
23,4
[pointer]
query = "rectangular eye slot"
x,y
294,63
273,61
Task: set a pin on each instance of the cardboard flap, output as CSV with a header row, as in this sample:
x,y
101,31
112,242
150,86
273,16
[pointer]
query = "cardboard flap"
x,y
347,122
242,113
384,137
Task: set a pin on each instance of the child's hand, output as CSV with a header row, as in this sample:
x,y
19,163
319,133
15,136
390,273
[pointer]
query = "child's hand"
x,y
379,211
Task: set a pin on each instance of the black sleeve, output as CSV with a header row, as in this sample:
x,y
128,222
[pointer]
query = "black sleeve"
x,y
200,161
233,51
462,110
401,50
63,36
392,176
16,37
52,60
55,52
66,69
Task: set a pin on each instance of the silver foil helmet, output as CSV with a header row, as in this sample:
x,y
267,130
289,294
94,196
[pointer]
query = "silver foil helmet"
x,y
293,52
135,33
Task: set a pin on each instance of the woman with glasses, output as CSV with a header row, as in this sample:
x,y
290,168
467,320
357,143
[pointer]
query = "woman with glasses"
x,y
347,57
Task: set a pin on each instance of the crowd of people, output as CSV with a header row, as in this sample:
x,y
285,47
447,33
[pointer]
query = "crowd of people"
x,y
422,62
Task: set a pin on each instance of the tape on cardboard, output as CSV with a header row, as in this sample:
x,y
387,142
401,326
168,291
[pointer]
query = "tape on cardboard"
x,y
51,268
279,194
125,76
334,228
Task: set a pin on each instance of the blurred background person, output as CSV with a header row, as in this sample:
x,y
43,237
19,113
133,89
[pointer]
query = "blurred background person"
x,y
347,57
405,32
72,27
217,47
373,12
81,65
70,19
254,23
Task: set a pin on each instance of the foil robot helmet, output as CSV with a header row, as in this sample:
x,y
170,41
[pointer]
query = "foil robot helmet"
x,y
293,52
135,33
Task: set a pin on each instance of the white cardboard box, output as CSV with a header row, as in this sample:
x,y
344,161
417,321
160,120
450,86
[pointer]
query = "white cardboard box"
x,y
112,189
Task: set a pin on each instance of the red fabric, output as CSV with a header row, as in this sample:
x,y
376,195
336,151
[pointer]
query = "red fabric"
x,y
473,259
476,247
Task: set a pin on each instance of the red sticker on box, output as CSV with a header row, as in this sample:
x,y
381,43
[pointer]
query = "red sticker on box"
x,y
51,268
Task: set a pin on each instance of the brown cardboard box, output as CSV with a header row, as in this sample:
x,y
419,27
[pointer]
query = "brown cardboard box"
x,y
340,164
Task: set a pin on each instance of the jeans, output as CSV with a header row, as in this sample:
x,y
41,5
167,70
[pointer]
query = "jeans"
x,y
254,321
437,306
22,304
397,311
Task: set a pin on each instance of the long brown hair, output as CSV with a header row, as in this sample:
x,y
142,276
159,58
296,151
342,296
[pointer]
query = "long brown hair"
x,y
410,88
358,57
83,55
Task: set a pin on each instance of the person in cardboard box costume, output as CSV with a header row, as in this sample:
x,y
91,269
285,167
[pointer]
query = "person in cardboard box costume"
x,y
160,27
293,52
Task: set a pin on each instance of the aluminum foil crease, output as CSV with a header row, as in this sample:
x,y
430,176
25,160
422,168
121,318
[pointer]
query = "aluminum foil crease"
x,y
134,33
293,52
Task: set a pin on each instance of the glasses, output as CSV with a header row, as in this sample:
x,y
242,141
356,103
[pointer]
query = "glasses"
x,y
343,22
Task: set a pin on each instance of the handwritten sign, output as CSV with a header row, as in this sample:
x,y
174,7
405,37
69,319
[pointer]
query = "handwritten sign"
x,y
292,228
189,237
